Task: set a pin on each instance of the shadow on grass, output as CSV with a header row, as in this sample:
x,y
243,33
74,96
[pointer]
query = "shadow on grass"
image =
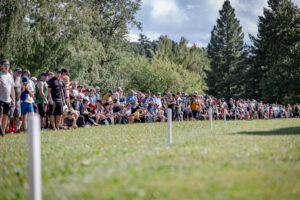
x,y
281,131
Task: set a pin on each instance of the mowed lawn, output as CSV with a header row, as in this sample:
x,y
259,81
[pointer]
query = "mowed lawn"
x,y
236,160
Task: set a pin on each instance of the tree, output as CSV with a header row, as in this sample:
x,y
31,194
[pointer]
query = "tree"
x,y
227,55
14,40
276,54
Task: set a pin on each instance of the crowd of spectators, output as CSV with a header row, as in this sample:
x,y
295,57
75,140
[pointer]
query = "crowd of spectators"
x,y
63,104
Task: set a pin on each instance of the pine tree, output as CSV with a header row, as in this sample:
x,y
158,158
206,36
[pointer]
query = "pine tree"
x,y
226,55
276,53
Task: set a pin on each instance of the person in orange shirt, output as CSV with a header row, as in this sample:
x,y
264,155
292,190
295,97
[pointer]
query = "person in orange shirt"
x,y
194,106
108,97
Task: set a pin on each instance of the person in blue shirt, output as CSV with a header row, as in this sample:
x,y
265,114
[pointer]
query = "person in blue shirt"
x,y
149,100
132,99
26,100
92,96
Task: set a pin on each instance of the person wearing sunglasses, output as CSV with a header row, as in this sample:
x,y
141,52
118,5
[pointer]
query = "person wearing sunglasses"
x,y
7,94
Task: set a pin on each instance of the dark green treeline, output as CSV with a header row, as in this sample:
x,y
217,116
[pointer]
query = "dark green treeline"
x,y
91,39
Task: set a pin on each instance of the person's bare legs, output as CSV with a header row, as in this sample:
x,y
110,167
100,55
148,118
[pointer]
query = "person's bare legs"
x,y
130,119
18,123
2,133
58,119
4,123
52,121
24,120
7,124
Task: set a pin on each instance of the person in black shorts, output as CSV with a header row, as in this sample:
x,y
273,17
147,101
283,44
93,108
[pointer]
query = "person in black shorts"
x,y
56,99
42,98
7,95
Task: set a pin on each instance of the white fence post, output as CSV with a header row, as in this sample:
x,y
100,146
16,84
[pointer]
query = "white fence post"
x,y
170,126
235,118
210,118
34,157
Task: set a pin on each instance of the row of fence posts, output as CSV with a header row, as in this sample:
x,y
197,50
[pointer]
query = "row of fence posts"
x,y
34,156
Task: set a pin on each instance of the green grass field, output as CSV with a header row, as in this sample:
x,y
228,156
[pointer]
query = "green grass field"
x,y
237,160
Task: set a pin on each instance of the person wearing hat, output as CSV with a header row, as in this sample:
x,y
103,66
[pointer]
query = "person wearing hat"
x,y
26,73
42,98
26,101
56,99
16,114
108,96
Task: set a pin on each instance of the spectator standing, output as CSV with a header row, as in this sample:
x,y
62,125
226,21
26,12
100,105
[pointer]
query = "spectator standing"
x,y
56,98
64,72
7,94
17,110
194,106
31,84
42,98
26,101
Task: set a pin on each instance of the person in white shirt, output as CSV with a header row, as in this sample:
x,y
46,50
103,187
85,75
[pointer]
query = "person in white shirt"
x,y
7,94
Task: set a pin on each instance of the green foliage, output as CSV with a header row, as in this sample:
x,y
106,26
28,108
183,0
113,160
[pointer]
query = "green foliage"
x,y
276,53
85,36
161,75
227,56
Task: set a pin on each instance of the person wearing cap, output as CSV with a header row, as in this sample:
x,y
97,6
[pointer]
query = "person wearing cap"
x,y
26,101
42,98
7,94
16,113
56,99
26,73
107,97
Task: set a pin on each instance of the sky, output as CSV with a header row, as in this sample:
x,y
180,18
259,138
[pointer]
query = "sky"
x,y
193,19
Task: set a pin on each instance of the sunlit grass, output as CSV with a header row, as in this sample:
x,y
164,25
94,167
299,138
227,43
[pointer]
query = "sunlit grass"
x,y
237,160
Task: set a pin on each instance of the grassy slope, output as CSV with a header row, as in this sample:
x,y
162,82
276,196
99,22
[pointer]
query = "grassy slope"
x,y
237,160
